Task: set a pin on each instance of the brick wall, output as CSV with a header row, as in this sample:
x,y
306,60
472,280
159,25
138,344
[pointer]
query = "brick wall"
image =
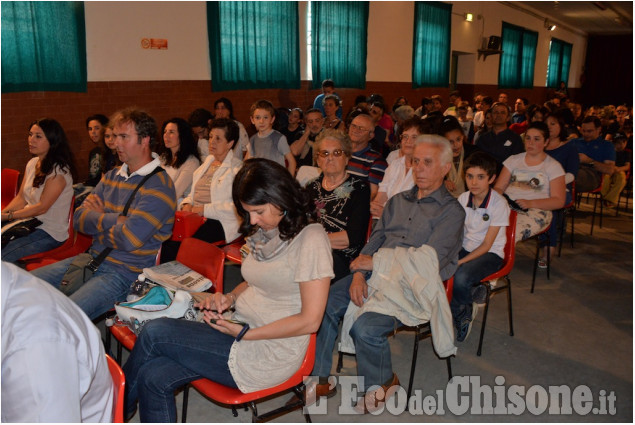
x,y
167,99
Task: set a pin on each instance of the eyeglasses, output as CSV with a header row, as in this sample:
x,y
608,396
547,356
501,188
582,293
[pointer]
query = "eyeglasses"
x,y
621,111
406,137
357,128
325,154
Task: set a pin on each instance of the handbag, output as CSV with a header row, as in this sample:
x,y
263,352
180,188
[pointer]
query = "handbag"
x,y
83,266
158,302
18,229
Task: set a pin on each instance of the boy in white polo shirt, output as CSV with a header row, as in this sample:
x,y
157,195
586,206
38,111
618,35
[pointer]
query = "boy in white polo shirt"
x,y
484,237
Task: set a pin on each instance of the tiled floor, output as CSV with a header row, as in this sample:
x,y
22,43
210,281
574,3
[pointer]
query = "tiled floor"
x,y
575,330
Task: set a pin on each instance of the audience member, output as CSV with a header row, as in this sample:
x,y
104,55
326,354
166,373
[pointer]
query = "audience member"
x,y
612,185
133,240
520,107
95,124
331,106
452,130
293,130
328,87
211,195
597,156
302,148
479,117
341,200
500,141
535,181
484,238
502,98
466,124
365,162
111,159
268,143
45,194
223,108
281,302
427,214
398,175
179,156
199,120
54,367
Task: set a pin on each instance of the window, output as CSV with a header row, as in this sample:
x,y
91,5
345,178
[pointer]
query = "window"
x,y
559,63
338,40
253,45
516,69
37,53
431,49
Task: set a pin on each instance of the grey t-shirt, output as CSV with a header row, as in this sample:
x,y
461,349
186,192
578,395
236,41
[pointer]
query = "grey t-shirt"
x,y
274,146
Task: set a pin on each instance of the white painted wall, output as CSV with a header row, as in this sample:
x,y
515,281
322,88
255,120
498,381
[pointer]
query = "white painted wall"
x,y
114,31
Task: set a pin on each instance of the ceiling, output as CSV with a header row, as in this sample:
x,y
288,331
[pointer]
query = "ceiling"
x,y
585,17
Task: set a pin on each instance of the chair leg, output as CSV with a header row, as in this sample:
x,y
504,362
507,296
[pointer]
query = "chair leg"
x,y
509,305
119,352
533,279
548,256
563,227
572,226
480,341
340,361
184,409
449,364
413,365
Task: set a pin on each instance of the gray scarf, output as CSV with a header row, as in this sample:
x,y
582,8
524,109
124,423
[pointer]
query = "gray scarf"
x,y
266,245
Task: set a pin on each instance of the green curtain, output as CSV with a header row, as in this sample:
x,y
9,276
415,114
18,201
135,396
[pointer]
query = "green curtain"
x,y
431,45
339,32
559,63
253,45
43,46
518,60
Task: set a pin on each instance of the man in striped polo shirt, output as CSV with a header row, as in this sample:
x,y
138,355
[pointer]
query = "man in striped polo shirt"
x,y
365,162
134,238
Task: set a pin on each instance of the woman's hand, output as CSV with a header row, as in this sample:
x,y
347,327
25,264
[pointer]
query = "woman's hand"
x,y
220,324
216,302
525,203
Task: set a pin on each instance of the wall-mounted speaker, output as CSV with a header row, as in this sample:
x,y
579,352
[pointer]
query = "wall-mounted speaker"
x,y
494,42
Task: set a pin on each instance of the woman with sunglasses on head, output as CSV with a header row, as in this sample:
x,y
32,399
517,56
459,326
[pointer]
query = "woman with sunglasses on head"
x,y
341,199
281,302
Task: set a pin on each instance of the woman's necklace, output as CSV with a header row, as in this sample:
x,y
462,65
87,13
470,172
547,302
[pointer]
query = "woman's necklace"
x,y
332,123
329,187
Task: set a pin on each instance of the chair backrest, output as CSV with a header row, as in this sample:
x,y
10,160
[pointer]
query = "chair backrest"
x,y
449,287
205,258
119,381
9,188
510,245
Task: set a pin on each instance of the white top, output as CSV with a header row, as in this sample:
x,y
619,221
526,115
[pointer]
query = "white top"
x,y
392,156
396,179
182,176
531,182
494,211
55,220
54,366
222,206
479,117
274,293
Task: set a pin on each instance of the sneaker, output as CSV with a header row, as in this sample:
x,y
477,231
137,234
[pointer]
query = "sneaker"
x,y
542,263
466,325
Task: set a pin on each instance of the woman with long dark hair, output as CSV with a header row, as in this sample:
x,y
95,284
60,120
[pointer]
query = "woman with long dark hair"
x,y
282,301
223,108
46,192
180,156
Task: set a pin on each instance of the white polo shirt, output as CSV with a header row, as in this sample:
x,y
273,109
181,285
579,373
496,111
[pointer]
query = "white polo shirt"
x,y
493,211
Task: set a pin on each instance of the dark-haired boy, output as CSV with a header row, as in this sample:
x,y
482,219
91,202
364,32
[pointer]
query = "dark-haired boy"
x,y
268,143
484,237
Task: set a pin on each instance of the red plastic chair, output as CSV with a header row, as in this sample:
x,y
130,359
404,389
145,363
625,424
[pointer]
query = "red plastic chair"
x,y
81,244
55,252
185,225
234,397
9,184
200,256
503,273
119,381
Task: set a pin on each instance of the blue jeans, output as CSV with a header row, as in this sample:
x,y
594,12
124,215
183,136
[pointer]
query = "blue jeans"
x,y
470,274
336,306
34,243
370,335
169,354
109,284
